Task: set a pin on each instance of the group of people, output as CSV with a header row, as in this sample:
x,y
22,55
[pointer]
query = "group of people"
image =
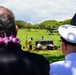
x,y
30,43
15,61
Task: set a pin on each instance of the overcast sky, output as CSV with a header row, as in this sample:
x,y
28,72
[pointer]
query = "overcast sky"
x,y
36,11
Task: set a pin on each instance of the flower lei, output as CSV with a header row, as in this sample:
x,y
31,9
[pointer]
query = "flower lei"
x,y
5,40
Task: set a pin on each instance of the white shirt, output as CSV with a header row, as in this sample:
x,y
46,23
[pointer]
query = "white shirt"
x,y
39,45
66,67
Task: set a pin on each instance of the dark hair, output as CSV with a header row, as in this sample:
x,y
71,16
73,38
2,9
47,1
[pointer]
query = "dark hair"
x,y
67,42
7,22
31,38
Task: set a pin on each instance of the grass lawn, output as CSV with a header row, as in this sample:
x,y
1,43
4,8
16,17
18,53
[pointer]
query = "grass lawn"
x,y
37,34
52,55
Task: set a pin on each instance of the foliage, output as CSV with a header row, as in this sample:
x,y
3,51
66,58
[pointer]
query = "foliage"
x,y
28,26
43,25
48,23
35,26
66,21
20,23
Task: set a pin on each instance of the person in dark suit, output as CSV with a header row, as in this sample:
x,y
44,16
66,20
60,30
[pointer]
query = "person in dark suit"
x,y
13,60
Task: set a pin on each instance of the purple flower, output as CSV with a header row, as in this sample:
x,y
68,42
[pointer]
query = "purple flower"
x,y
11,38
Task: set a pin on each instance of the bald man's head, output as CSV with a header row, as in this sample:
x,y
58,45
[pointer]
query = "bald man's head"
x,y
7,22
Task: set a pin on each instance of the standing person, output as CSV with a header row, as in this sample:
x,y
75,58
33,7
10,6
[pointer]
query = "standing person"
x,y
26,43
68,65
30,43
13,60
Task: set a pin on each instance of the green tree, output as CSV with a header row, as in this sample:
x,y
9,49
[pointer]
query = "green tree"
x,y
50,25
35,26
67,21
20,23
28,26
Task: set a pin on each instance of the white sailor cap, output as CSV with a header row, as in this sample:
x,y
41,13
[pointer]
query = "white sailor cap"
x,y
68,32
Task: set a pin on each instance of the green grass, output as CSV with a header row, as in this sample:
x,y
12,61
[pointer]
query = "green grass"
x,y
52,55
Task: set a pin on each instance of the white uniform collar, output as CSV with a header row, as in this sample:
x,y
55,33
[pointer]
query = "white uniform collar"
x,y
71,56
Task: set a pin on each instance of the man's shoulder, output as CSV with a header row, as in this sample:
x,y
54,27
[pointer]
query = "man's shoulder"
x,y
29,61
41,61
57,68
57,63
35,56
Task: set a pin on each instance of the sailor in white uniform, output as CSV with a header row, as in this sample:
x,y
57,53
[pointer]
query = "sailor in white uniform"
x,y
68,65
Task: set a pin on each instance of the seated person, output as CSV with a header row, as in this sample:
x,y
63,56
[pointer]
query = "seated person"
x,y
39,46
49,46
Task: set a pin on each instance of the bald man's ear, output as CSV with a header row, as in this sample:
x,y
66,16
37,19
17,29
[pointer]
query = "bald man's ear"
x,y
16,29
